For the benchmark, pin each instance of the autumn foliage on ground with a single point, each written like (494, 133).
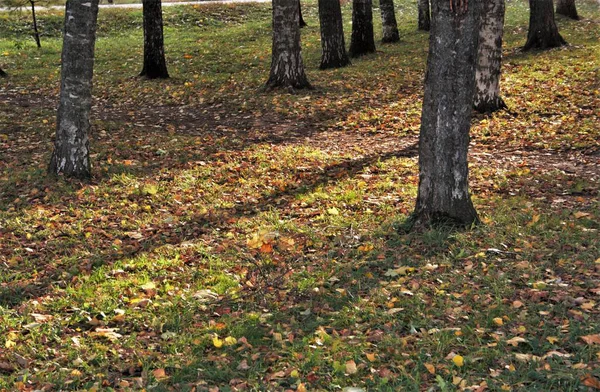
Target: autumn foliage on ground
(234, 239)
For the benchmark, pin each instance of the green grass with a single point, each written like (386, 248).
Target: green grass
(218, 211)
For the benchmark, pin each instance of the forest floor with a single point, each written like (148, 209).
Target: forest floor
(235, 239)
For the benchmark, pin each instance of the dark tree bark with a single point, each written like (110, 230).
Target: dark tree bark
(301, 21)
(71, 156)
(424, 15)
(155, 65)
(567, 8)
(443, 195)
(362, 40)
(332, 35)
(489, 58)
(543, 32)
(287, 68)
(36, 32)
(2, 73)
(388, 22)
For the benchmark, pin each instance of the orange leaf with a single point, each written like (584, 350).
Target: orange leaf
(159, 373)
(266, 248)
(430, 368)
(591, 339)
(591, 381)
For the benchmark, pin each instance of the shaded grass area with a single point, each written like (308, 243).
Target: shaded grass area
(249, 241)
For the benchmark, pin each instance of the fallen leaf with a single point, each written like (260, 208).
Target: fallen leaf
(498, 321)
(516, 340)
(591, 339)
(218, 343)
(430, 368)
(591, 381)
(458, 360)
(351, 367)
(159, 373)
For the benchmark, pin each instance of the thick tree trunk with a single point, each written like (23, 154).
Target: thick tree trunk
(301, 21)
(332, 35)
(567, 8)
(362, 40)
(71, 156)
(443, 195)
(155, 65)
(388, 22)
(287, 69)
(2, 73)
(489, 57)
(424, 15)
(543, 32)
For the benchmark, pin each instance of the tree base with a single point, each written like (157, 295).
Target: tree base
(337, 63)
(157, 74)
(422, 220)
(391, 38)
(543, 43)
(359, 52)
(490, 106)
(290, 87)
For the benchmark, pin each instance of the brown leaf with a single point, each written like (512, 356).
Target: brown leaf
(159, 373)
(591, 339)
(591, 381)
(351, 367)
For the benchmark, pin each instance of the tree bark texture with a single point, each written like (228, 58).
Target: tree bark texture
(155, 65)
(362, 40)
(71, 146)
(567, 8)
(388, 22)
(287, 68)
(301, 21)
(443, 195)
(332, 35)
(543, 32)
(489, 57)
(424, 15)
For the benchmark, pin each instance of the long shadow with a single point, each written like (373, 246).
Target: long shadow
(12, 294)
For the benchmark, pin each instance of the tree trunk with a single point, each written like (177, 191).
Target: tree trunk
(36, 32)
(71, 156)
(301, 22)
(443, 195)
(567, 8)
(543, 32)
(332, 35)
(388, 22)
(155, 65)
(489, 57)
(362, 40)
(2, 73)
(287, 69)
(424, 15)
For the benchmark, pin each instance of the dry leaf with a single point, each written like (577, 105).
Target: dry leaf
(516, 340)
(351, 367)
(430, 368)
(591, 381)
(591, 339)
(159, 373)
(371, 357)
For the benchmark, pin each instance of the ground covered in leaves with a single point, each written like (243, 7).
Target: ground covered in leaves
(233, 239)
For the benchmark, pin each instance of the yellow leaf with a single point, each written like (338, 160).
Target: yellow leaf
(539, 285)
(552, 339)
(430, 368)
(458, 360)
(351, 367)
(9, 344)
(294, 373)
(498, 321)
(333, 211)
(371, 357)
(230, 341)
(218, 343)
(301, 388)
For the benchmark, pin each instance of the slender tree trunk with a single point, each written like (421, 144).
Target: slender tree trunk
(388, 22)
(2, 73)
(489, 57)
(155, 65)
(424, 15)
(36, 32)
(71, 156)
(287, 69)
(301, 22)
(543, 32)
(567, 8)
(443, 195)
(332, 35)
(362, 40)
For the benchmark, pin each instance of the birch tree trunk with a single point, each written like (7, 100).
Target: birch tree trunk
(443, 195)
(543, 32)
(388, 22)
(287, 69)
(362, 40)
(332, 35)
(71, 156)
(155, 65)
(424, 15)
(489, 57)
(567, 8)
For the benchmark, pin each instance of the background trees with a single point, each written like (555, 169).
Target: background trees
(287, 68)
(362, 40)
(543, 32)
(388, 22)
(333, 47)
(424, 15)
(71, 155)
(155, 65)
(567, 8)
